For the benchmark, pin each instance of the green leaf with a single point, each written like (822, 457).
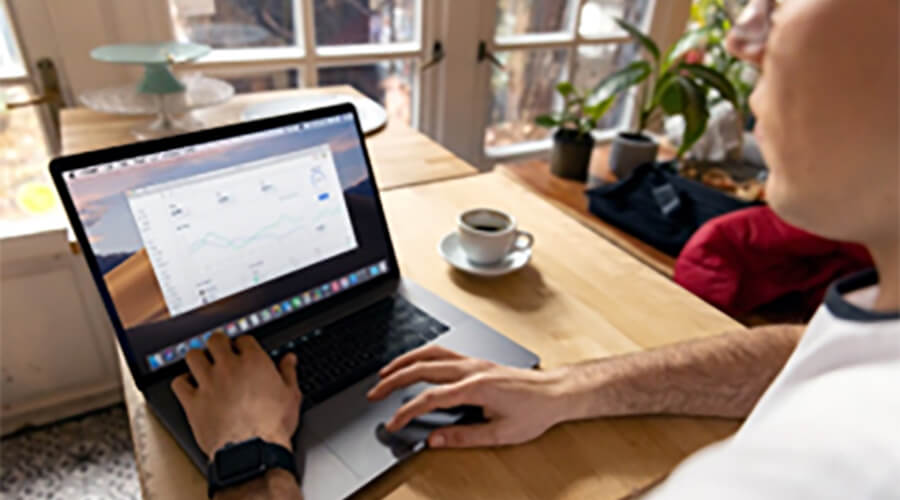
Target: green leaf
(714, 79)
(660, 86)
(671, 96)
(695, 112)
(682, 96)
(690, 40)
(644, 40)
(547, 121)
(597, 111)
(616, 82)
(565, 88)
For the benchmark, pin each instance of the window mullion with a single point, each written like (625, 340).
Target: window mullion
(310, 74)
(573, 52)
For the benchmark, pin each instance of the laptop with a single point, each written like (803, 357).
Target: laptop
(272, 228)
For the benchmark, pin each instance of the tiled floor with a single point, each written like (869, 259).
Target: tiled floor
(86, 458)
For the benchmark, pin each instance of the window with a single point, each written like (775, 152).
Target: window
(542, 42)
(10, 59)
(26, 198)
(374, 45)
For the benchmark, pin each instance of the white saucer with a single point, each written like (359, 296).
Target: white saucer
(451, 252)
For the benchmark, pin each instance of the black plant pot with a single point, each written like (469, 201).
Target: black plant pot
(571, 155)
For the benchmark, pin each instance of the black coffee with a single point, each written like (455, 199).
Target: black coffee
(490, 229)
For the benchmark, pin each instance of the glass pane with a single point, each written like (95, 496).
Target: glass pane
(388, 82)
(10, 59)
(261, 82)
(597, 16)
(26, 193)
(342, 22)
(521, 92)
(594, 62)
(515, 17)
(235, 24)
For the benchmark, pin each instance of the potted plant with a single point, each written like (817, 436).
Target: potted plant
(572, 140)
(672, 87)
(711, 20)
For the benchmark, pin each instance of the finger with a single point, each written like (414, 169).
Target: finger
(248, 346)
(426, 353)
(466, 436)
(199, 365)
(183, 389)
(288, 369)
(220, 348)
(445, 396)
(436, 372)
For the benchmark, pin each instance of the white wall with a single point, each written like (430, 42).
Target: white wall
(57, 350)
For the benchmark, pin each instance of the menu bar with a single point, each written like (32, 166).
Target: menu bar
(189, 150)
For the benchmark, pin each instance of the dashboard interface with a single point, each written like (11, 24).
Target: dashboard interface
(214, 236)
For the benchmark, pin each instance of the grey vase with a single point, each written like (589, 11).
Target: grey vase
(571, 154)
(630, 151)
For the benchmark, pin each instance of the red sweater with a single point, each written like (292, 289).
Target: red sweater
(748, 258)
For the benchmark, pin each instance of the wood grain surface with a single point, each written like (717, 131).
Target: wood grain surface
(580, 298)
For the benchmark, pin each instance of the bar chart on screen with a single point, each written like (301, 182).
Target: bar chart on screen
(212, 235)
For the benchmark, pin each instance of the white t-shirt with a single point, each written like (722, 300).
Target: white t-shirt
(829, 425)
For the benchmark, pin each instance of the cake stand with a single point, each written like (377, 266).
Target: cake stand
(159, 92)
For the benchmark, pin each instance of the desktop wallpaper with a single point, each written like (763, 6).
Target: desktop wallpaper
(103, 208)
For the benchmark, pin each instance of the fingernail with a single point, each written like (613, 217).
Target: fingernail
(437, 441)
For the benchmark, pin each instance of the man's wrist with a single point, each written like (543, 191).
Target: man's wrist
(576, 393)
(565, 394)
(276, 483)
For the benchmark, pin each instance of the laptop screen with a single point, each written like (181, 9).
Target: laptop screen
(231, 234)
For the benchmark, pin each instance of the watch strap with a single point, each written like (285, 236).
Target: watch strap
(271, 455)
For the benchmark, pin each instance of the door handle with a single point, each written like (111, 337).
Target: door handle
(484, 53)
(437, 55)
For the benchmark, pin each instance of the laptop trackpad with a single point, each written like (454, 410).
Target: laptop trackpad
(353, 428)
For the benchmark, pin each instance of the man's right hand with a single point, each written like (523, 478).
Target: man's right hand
(520, 405)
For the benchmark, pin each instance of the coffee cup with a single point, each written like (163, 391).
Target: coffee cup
(487, 236)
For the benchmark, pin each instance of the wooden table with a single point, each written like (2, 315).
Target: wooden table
(568, 196)
(401, 156)
(580, 298)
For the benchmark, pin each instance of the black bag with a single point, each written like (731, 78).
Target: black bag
(660, 207)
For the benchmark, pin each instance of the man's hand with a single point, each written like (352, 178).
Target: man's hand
(240, 395)
(519, 404)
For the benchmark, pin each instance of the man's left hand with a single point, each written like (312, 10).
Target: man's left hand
(239, 395)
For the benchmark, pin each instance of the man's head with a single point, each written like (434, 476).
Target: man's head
(827, 112)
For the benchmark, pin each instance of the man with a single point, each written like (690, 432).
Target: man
(822, 407)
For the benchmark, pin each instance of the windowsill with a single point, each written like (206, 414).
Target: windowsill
(500, 153)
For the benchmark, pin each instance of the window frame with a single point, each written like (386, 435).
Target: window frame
(571, 40)
(308, 57)
(658, 23)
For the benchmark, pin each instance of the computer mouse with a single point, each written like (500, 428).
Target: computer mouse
(414, 436)
(456, 415)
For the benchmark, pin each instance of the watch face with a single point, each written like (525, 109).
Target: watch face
(239, 461)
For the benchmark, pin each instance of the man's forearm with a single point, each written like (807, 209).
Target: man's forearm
(277, 484)
(722, 376)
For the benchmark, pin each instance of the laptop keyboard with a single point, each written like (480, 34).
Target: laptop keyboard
(338, 355)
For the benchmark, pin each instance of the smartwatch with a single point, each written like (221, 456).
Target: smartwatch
(237, 463)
